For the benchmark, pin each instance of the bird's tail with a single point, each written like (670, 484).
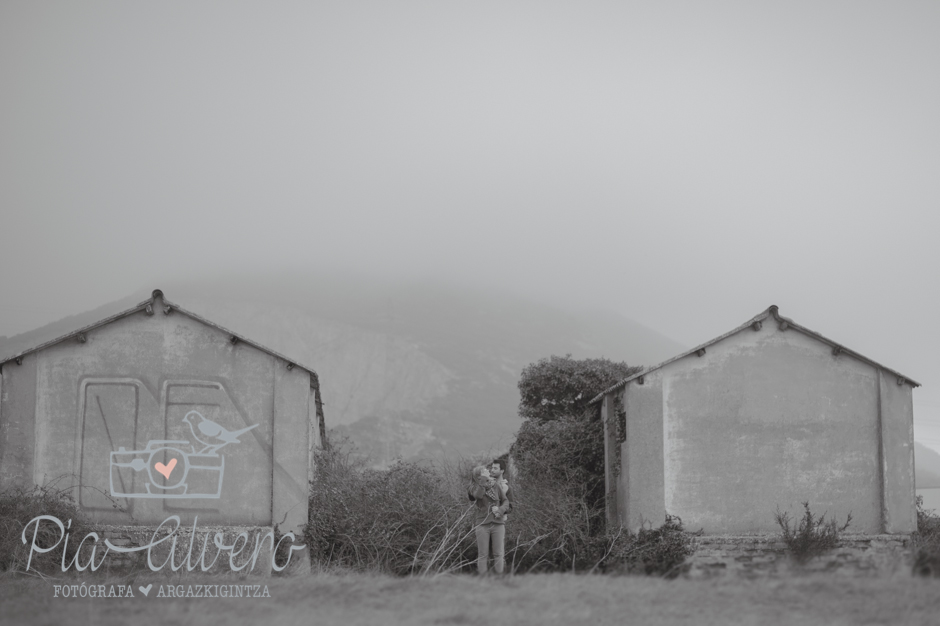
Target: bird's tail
(237, 433)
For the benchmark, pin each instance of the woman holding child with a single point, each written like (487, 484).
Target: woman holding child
(492, 504)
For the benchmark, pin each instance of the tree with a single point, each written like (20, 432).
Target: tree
(560, 386)
(558, 442)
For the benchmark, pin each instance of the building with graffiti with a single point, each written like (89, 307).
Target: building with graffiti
(155, 412)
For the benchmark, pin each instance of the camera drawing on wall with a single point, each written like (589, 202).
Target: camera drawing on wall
(175, 468)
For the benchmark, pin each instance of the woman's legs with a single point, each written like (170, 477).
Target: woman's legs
(498, 539)
(483, 546)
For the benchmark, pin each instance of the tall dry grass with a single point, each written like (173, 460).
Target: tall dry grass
(18, 507)
(415, 518)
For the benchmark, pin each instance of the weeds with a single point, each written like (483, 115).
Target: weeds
(812, 536)
(925, 542)
(18, 507)
(652, 551)
(407, 519)
(415, 519)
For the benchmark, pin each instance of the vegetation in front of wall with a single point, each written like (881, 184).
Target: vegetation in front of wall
(564, 457)
(925, 542)
(812, 535)
(18, 507)
(661, 551)
(415, 519)
(411, 518)
(561, 437)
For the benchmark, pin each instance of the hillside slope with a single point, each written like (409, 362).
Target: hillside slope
(420, 369)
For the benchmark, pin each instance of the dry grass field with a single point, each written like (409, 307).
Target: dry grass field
(537, 599)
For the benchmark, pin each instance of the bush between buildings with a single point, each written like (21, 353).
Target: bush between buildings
(407, 519)
(925, 542)
(19, 506)
(563, 459)
(415, 519)
(812, 536)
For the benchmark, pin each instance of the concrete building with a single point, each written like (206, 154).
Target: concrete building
(162, 412)
(766, 416)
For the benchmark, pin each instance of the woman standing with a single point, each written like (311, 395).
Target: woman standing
(491, 507)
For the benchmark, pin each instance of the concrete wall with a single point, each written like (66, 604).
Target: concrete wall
(642, 480)
(897, 454)
(764, 420)
(17, 422)
(66, 408)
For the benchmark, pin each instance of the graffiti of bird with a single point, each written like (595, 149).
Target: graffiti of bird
(210, 434)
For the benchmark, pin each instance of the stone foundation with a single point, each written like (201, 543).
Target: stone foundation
(767, 555)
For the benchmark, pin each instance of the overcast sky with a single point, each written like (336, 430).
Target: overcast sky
(685, 164)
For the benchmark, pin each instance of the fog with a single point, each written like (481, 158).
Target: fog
(684, 164)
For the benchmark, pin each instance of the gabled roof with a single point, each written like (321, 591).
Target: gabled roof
(755, 322)
(150, 307)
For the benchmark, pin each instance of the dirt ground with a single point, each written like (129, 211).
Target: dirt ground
(537, 599)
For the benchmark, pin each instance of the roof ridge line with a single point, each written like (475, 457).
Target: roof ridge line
(783, 324)
(148, 306)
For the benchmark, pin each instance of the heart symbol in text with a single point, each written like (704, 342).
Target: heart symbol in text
(146, 590)
(167, 469)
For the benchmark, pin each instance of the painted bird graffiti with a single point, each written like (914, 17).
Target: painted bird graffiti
(211, 435)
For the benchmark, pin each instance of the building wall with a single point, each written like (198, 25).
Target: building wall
(897, 454)
(642, 487)
(765, 420)
(67, 408)
(17, 422)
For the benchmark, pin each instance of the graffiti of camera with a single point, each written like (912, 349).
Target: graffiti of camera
(185, 473)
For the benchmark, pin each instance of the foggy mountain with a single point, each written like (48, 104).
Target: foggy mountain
(927, 467)
(406, 369)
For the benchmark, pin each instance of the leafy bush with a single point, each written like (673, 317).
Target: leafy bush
(18, 507)
(554, 524)
(559, 509)
(812, 536)
(559, 497)
(561, 386)
(568, 452)
(926, 542)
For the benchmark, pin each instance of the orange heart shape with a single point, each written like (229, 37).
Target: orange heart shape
(167, 469)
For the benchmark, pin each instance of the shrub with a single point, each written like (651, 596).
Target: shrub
(812, 536)
(410, 518)
(553, 525)
(559, 453)
(18, 506)
(652, 551)
(925, 542)
(558, 386)
(559, 517)
(415, 519)
(566, 451)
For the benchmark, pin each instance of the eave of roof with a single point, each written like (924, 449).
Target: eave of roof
(784, 323)
(168, 307)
